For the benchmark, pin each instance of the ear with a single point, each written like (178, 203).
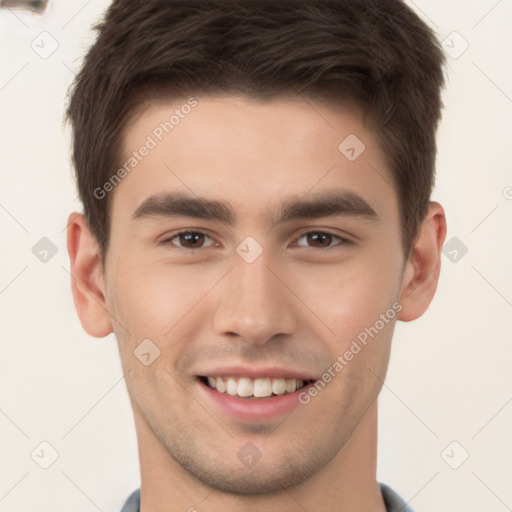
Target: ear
(422, 269)
(87, 280)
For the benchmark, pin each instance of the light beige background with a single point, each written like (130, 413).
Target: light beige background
(449, 378)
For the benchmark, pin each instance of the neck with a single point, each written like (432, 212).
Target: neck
(347, 483)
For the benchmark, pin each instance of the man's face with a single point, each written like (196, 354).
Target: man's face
(254, 296)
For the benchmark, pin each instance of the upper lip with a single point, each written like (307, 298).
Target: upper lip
(254, 373)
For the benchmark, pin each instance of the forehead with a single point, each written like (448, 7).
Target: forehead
(251, 153)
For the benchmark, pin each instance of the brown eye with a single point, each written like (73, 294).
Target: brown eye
(192, 239)
(322, 240)
(187, 240)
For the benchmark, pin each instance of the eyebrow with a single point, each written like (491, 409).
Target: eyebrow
(336, 202)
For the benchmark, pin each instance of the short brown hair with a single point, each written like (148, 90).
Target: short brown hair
(376, 53)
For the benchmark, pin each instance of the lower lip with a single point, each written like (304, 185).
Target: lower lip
(253, 409)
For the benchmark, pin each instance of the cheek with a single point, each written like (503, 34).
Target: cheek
(150, 299)
(362, 313)
(350, 298)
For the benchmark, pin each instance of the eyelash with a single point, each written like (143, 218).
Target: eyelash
(343, 241)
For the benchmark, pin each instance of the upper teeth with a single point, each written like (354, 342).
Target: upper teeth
(258, 388)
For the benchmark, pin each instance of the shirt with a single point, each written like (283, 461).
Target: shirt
(393, 502)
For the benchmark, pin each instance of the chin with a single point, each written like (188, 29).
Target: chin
(275, 470)
(243, 481)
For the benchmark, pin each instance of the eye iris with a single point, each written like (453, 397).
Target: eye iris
(192, 237)
(324, 236)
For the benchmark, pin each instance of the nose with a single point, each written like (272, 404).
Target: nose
(255, 302)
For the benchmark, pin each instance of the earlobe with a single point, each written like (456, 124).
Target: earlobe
(421, 273)
(87, 281)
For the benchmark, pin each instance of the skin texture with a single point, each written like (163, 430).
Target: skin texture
(297, 306)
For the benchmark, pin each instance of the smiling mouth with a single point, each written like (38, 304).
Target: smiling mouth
(245, 387)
